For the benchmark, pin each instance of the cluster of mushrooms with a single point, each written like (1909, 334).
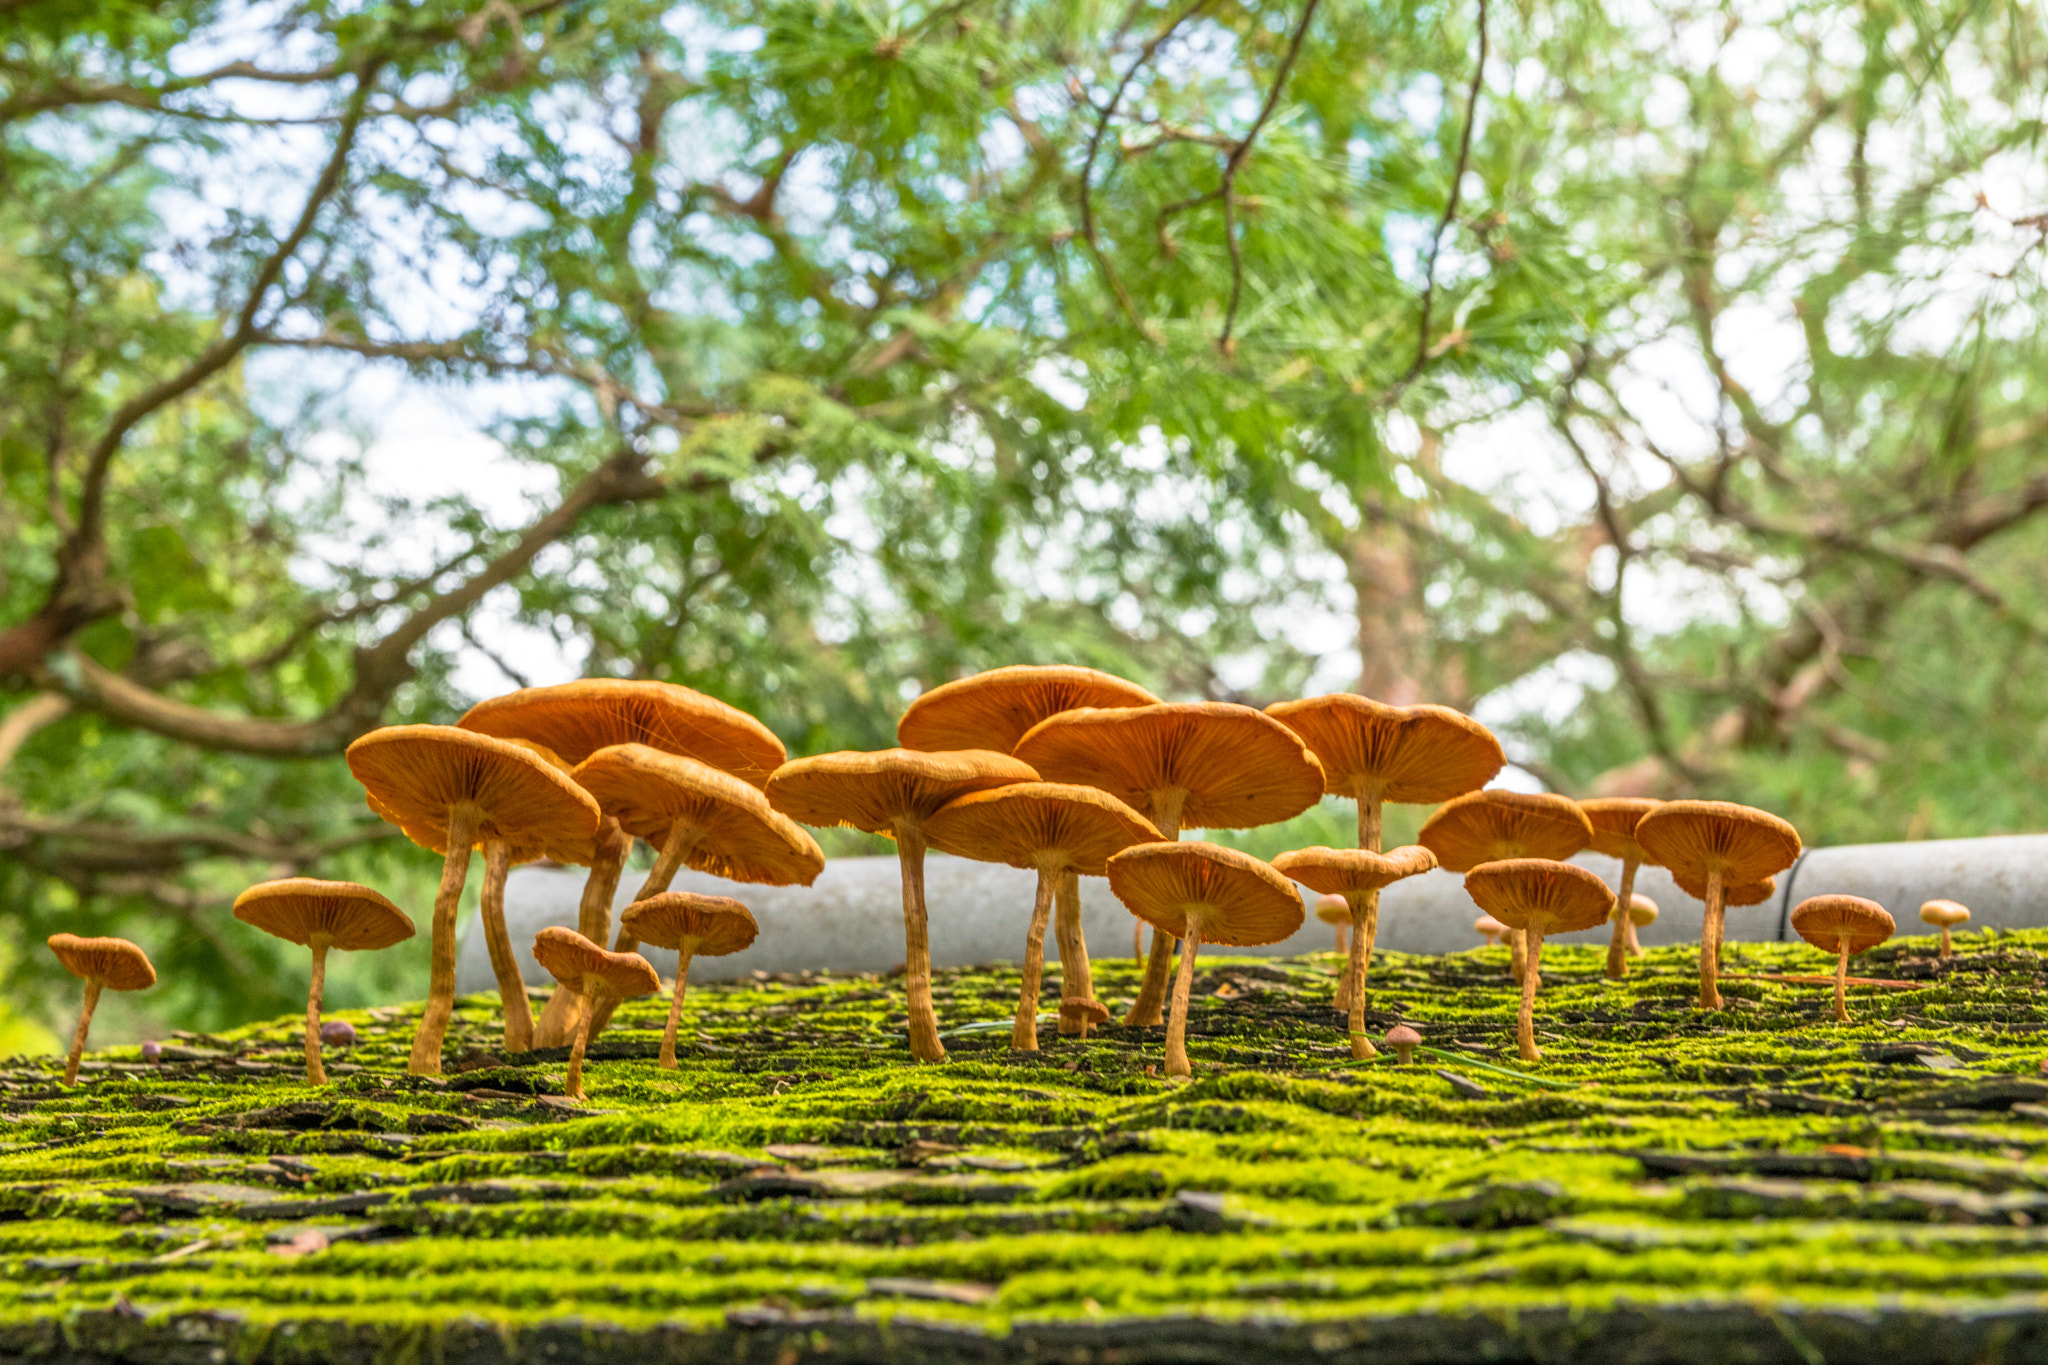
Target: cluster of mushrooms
(1066, 771)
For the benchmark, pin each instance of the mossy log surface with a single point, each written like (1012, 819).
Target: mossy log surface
(1754, 1185)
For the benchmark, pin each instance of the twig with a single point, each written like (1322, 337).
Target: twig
(1228, 188)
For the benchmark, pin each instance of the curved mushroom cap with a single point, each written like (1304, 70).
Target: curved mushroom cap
(1341, 870)
(1695, 837)
(1079, 1009)
(1239, 767)
(576, 719)
(115, 963)
(1740, 894)
(872, 791)
(992, 710)
(1488, 925)
(1400, 1035)
(1048, 825)
(351, 917)
(1330, 908)
(1944, 914)
(1641, 910)
(649, 792)
(716, 925)
(1614, 820)
(1410, 754)
(1559, 898)
(587, 969)
(1231, 897)
(1824, 921)
(416, 774)
(1485, 827)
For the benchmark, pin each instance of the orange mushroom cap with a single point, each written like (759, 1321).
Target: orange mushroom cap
(115, 963)
(1556, 897)
(1742, 893)
(1642, 910)
(576, 719)
(587, 969)
(873, 791)
(1487, 826)
(1824, 921)
(715, 925)
(992, 710)
(353, 918)
(1079, 1009)
(1231, 897)
(1409, 754)
(1239, 767)
(1337, 871)
(649, 792)
(416, 774)
(1488, 925)
(1614, 820)
(1046, 825)
(1945, 914)
(1330, 908)
(1693, 838)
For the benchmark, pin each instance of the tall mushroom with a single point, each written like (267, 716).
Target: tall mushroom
(1375, 753)
(993, 710)
(1201, 892)
(1197, 764)
(1843, 925)
(1538, 896)
(451, 790)
(893, 792)
(1358, 875)
(575, 720)
(1487, 826)
(695, 926)
(1614, 820)
(1946, 916)
(1718, 844)
(512, 844)
(322, 915)
(590, 974)
(104, 964)
(697, 817)
(1061, 832)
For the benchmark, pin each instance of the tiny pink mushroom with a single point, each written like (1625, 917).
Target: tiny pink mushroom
(1404, 1041)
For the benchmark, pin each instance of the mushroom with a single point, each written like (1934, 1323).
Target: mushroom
(993, 710)
(697, 817)
(1335, 911)
(1945, 915)
(104, 963)
(1083, 1013)
(337, 1033)
(590, 974)
(1061, 831)
(695, 926)
(449, 790)
(1358, 875)
(1642, 912)
(1197, 764)
(500, 853)
(1490, 929)
(322, 915)
(575, 720)
(1375, 753)
(1404, 1041)
(892, 792)
(1539, 896)
(1732, 897)
(1201, 892)
(1843, 925)
(1614, 820)
(1719, 844)
(1487, 826)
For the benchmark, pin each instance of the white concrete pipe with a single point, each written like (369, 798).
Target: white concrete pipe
(852, 919)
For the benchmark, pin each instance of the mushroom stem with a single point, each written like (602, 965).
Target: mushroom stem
(1525, 1021)
(1343, 928)
(1947, 950)
(1365, 923)
(92, 1001)
(1635, 944)
(1405, 1053)
(1076, 978)
(1137, 940)
(684, 952)
(316, 1074)
(426, 1043)
(505, 966)
(1370, 808)
(1149, 1008)
(1617, 947)
(593, 921)
(1177, 1025)
(681, 840)
(572, 1085)
(1842, 983)
(1518, 954)
(1710, 943)
(917, 948)
(1024, 1033)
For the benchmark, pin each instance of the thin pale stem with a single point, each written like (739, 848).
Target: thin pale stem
(1177, 1024)
(682, 840)
(1137, 940)
(1842, 983)
(684, 952)
(1518, 954)
(316, 1074)
(1617, 947)
(1635, 942)
(1370, 812)
(917, 949)
(1024, 1033)
(1532, 979)
(1365, 923)
(1343, 928)
(504, 964)
(573, 1084)
(1710, 944)
(426, 1043)
(1076, 976)
(593, 920)
(1947, 949)
(92, 1002)
(1150, 1006)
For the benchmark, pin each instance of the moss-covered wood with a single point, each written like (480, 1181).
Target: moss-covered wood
(1758, 1184)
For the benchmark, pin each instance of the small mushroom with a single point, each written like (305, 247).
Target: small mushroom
(337, 1033)
(1945, 915)
(1732, 898)
(1642, 912)
(1404, 1041)
(1359, 875)
(592, 974)
(1843, 925)
(1375, 753)
(1614, 820)
(1538, 896)
(152, 1050)
(1335, 911)
(322, 915)
(1718, 844)
(1490, 929)
(104, 963)
(1487, 826)
(1201, 892)
(1079, 1013)
(695, 926)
